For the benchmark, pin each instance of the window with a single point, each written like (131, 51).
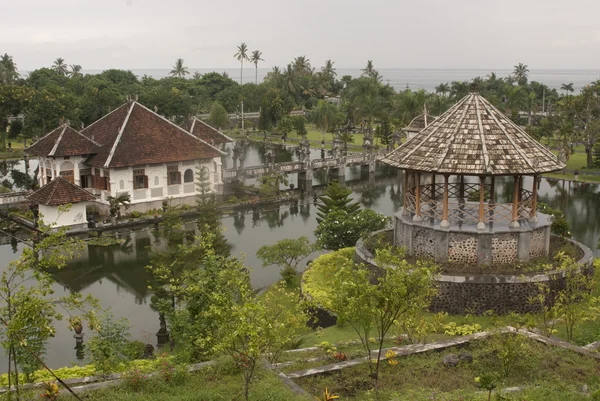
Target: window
(173, 175)
(121, 184)
(140, 179)
(68, 175)
(188, 176)
(156, 180)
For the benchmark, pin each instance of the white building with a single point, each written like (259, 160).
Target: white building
(130, 150)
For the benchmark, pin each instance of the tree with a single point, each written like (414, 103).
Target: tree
(302, 65)
(60, 67)
(299, 123)
(29, 309)
(287, 254)
(328, 69)
(285, 126)
(241, 55)
(289, 80)
(372, 302)
(8, 69)
(179, 70)
(568, 88)
(323, 116)
(115, 203)
(369, 71)
(336, 197)
(256, 58)
(442, 88)
(209, 218)
(346, 138)
(340, 229)
(520, 73)
(385, 134)
(218, 115)
(264, 121)
(75, 71)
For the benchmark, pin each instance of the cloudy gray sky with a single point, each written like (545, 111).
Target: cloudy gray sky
(136, 34)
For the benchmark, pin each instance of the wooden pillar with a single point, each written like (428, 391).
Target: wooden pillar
(461, 188)
(433, 186)
(533, 216)
(445, 223)
(417, 217)
(515, 207)
(493, 190)
(405, 191)
(481, 223)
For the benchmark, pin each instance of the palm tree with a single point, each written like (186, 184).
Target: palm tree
(8, 69)
(197, 75)
(568, 88)
(255, 58)
(75, 71)
(516, 100)
(115, 203)
(60, 67)
(179, 70)
(302, 65)
(241, 55)
(369, 70)
(520, 73)
(276, 70)
(289, 80)
(442, 88)
(328, 69)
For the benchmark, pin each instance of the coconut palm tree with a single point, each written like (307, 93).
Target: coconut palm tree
(302, 65)
(369, 70)
(255, 58)
(520, 72)
(276, 70)
(442, 88)
(60, 67)
(8, 69)
(290, 80)
(241, 55)
(197, 75)
(179, 70)
(75, 71)
(328, 69)
(568, 88)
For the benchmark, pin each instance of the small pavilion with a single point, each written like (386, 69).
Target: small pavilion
(461, 220)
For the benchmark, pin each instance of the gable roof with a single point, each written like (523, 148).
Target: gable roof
(419, 122)
(473, 138)
(134, 135)
(63, 141)
(207, 133)
(59, 192)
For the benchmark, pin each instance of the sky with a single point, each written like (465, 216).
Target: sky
(433, 34)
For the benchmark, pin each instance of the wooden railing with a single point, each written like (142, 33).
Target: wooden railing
(465, 210)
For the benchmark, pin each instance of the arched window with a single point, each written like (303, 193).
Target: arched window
(67, 166)
(188, 175)
(121, 184)
(156, 180)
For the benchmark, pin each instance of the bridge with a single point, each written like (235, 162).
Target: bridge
(250, 116)
(305, 168)
(13, 197)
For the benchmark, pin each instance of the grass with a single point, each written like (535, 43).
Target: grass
(418, 377)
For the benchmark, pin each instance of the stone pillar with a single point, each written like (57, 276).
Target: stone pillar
(484, 249)
(523, 245)
(515, 206)
(305, 179)
(445, 223)
(417, 217)
(441, 246)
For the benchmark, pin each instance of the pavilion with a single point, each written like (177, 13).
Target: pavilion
(462, 221)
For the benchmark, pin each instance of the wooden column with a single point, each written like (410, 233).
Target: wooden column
(481, 223)
(417, 217)
(493, 190)
(433, 186)
(533, 217)
(461, 188)
(515, 207)
(405, 192)
(445, 223)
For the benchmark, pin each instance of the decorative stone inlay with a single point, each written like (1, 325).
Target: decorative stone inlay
(462, 248)
(423, 243)
(504, 248)
(399, 232)
(537, 248)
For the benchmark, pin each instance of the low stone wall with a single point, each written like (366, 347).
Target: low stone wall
(478, 293)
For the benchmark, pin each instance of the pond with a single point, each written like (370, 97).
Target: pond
(116, 274)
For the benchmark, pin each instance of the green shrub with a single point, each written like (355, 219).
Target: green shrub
(452, 329)
(134, 350)
(135, 380)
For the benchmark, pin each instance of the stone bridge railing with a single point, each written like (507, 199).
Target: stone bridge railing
(13, 197)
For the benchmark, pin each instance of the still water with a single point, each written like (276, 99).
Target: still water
(116, 274)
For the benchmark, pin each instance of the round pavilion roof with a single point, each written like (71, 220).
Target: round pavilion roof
(473, 138)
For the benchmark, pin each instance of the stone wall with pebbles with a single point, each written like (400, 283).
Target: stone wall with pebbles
(462, 249)
(504, 248)
(538, 244)
(423, 243)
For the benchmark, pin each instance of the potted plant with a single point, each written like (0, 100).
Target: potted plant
(76, 324)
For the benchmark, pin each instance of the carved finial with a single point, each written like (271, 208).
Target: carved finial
(155, 108)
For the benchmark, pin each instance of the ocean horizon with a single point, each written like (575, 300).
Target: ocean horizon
(401, 78)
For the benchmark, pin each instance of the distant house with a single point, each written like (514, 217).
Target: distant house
(130, 150)
(57, 193)
(417, 124)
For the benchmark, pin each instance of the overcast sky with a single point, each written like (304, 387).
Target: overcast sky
(142, 34)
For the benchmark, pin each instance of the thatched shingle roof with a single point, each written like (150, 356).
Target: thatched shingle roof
(473, 138)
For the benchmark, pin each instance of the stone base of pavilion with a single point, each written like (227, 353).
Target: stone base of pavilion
(466, 243)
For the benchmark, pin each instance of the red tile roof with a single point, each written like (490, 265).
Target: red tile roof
(59, 192)
(63, 141)
(207, 133)
(134, 135)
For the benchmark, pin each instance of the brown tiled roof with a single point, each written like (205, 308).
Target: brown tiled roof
(419, 122)
(59, 192)
(474, 138)
(207, 133)
(134, 135)
(63, 141)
